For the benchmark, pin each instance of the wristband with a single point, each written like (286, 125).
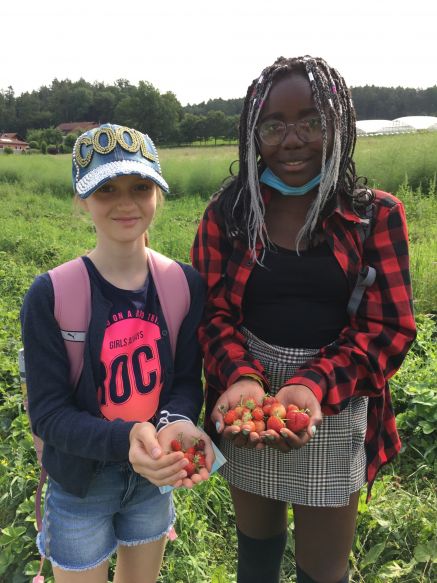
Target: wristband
(253, 377)
(167, 418)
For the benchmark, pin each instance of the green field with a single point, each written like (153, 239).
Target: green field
(387, 162)
(39, 228)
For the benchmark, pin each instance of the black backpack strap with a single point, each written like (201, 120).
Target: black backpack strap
(367, 275)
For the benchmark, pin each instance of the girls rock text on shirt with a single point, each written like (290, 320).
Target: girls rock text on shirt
(131, 378)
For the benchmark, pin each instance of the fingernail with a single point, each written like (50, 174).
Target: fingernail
(313, 430)
(245, 432)
(235, 432)
(271, 437)
(283, 434)
(156, 452)
(217, 426)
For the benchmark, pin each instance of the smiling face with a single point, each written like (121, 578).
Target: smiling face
(122, 209)
(294, 161)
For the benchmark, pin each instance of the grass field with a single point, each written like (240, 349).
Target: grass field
(387, 162)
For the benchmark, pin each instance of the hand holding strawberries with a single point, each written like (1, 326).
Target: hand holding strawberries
(151, 455)
(303, 415)
(280, 425)
(149, 460)
(251, 389)
(195, 447)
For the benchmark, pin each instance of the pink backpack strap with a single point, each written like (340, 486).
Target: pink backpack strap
(173, 292)
(72, 310)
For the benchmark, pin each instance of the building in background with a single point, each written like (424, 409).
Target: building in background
(13, 141)
(400, 125)
(75, 126)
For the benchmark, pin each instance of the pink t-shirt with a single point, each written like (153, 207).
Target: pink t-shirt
(131, 375)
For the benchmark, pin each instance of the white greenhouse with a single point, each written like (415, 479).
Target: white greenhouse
(399, 125)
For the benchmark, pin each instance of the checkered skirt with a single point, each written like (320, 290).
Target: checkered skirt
(327, 470)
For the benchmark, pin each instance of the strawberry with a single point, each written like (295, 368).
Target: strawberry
(259, 426)
(199, 460)
(239, 411)
(297, 421)
(258, 414)
(275, 423)
(249, 425)
(190, 468)
(247, 416)
(189, 455)
(230, 417)
(191, 450)
(291, 408)
(176, 445)
(278, 410)
(250, 403)
(245, 410)
(269, 400)
(200, 445)
(267, 408)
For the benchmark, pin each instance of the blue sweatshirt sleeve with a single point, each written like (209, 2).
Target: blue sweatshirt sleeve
(55, 416)
(183, 399)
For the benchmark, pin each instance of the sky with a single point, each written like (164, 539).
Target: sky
(204, 50)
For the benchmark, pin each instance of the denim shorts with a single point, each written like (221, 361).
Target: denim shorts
(120, 508)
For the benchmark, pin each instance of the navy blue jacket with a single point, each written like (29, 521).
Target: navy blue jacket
(76, 437)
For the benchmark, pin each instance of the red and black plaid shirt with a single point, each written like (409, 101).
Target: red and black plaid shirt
(367, 352)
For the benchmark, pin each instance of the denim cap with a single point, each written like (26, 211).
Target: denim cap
(109, 151)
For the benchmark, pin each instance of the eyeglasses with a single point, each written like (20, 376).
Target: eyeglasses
(272, 132)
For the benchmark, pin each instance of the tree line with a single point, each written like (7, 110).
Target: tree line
(161, 114)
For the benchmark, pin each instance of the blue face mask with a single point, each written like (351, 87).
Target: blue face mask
(267, 177)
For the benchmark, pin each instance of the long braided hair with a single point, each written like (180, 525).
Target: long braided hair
(240, 201)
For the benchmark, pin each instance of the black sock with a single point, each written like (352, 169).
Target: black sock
(302, 577)
(259, 560)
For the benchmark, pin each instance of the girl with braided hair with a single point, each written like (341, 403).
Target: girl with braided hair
(309, 299)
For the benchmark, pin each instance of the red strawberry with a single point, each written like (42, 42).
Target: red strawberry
(269, 400)
(258, 414)
(230, 417)
(278, 410)
(176, 445)
(190, 468)
(266, 408)
(191, 450)
(275, 423)
(291, 408)
(297, 421)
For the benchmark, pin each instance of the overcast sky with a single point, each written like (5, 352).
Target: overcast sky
(202, 50)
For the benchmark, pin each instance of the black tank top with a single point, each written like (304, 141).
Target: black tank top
(297, 301)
